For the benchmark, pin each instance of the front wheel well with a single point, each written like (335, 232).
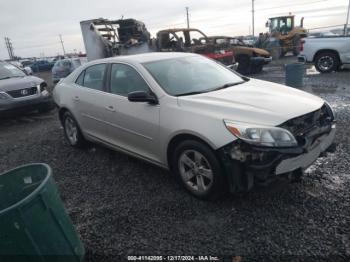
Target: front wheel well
(326, 51)
(176, 140)
(61, 112)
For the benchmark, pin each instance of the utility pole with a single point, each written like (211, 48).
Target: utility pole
(188, 20)
(64, 51)
(9, 48)
(253, 14)
(347, 21)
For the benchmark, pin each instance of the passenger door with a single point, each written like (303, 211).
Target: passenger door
(133, 126)
(89, 101)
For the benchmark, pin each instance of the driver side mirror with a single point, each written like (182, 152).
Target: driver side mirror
(267, 24)
(142, 96)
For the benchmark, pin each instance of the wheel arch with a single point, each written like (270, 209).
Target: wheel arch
(325, 51)
(61, 112)
(178, 138)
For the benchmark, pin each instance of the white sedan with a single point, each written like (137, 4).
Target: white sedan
(214, 129)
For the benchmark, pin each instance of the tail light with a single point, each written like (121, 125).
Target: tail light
(302, 42)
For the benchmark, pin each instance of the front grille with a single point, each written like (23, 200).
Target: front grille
(23, 92)
(301, 126)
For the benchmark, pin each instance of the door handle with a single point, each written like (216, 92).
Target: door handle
(110, 108)
(76, 98)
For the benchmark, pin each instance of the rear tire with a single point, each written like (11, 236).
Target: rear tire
(257, 69)
(326, 62)
(72, 131)
(198, 169)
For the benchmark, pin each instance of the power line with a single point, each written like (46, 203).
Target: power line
(269, 8)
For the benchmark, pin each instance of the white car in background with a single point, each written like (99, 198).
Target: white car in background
(214, 129)
(328, 54)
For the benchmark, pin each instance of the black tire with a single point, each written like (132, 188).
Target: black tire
(296, 45)
(244, 65)
(80, 141)
(257, 69)
(216, 187)
(327, 62)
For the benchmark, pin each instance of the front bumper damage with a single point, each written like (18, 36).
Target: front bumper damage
(246, 165)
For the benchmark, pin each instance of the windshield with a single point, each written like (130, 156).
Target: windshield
(9, 71)
(188, 75)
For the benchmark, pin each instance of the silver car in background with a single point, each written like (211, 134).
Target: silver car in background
(64, 67)
(20, 92)
(214, 129)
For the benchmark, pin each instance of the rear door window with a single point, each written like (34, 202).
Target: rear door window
(80, 80)
(94, 77)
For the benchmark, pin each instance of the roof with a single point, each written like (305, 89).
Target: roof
(146, 57)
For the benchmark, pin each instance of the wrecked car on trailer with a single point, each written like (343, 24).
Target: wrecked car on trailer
(105, 38)
(250, 59)
(194, 41)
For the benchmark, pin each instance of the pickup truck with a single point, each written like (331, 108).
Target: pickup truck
(327, 53)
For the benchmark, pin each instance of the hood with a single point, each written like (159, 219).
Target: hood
(255, 101)
(247, 49)
(19, 83)
(261, 52)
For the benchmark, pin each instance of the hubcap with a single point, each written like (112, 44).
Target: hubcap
(325, 63)
(71, 130)
(195, 171)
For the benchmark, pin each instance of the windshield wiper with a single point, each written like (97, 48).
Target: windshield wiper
(212, 89)
(192, 93)
(227, 85)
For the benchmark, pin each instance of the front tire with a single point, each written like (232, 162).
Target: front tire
(198, 169)
(326, 62)
(72, 131)
(244, 65)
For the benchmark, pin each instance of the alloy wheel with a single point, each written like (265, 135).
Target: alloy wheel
(71, 130)
(325, 63)
(195, 171)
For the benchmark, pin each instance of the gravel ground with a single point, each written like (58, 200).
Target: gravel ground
(123, 206)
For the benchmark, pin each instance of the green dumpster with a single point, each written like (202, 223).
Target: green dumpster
(295, 75)
(34, 225)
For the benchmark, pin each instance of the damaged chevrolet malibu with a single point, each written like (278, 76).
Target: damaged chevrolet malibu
(215, 130)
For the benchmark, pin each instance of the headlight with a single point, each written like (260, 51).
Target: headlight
(261, 135)
(330, 110)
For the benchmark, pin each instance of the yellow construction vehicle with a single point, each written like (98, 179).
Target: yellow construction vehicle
(283, 36)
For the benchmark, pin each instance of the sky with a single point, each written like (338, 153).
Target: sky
(34, 26)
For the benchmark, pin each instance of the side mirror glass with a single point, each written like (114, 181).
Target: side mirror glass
(142, 96)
